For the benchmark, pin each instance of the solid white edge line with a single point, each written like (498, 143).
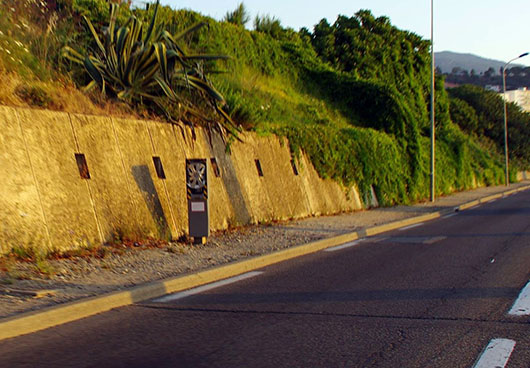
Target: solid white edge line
(521, 307)
(496, 354)
(200, 289)
(343, 246)
(411, 226)
(450, 215)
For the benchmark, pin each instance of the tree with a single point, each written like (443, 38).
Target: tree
(456, 70)
(489, 73)
(240, 16)
(268, 24)
(323, 41)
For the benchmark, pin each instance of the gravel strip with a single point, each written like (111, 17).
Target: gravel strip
(123, 267)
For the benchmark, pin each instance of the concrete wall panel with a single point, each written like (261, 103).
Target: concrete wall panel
(315, 188)
(236, 193)
(281, 182)
(523, 175)
(233, 199)
(244, 155)
(116, 208)
(294, 184)
(66, 203)
(147, 190)
(21, 217)
(167, 141)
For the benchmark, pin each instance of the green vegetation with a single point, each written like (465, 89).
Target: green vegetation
(269, 25)
(38, 258)
(480, 114)
(354, 95)
(239, 16)
(147, 68)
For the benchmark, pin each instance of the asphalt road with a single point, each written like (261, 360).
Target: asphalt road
(433, 295)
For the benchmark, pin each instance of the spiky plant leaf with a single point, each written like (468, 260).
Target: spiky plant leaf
(189, 30)
(72, 55)
(94, 34)
(149, 33)
(153, 70)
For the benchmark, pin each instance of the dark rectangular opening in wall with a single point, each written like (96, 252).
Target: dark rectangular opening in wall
(159, 168)
(258, 167)
(82, 165)
(293, 165)
(215, 167)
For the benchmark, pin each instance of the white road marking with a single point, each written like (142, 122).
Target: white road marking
(521, 307)
(496, 354)
(343, 246)
(200, 289)
(434, 239)
(410, 226)
(450, 215)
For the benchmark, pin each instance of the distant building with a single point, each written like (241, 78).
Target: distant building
(493, 88)
(520, 96)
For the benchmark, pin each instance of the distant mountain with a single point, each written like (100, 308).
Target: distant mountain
(447, 60)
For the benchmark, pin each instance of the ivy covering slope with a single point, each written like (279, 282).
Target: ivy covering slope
(354, 95)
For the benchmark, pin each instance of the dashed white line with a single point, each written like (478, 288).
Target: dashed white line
(496, 354)
(410, 226)
(433, 240)
(200, 289)
(343, 246)
(521, 307)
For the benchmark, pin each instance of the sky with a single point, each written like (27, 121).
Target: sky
(494, 29)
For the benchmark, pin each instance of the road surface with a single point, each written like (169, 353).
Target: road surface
(437, 294)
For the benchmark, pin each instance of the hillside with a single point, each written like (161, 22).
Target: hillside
(461, 69)
(447, 60)
(359, 110)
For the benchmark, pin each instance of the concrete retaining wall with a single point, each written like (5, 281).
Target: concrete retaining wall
(44, 201)
(523, 175)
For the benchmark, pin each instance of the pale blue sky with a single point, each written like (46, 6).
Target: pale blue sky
(495, 29)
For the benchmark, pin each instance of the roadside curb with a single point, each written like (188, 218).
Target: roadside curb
(41, 319)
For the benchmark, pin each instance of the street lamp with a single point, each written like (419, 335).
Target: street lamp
(505, 117)
(433, 150)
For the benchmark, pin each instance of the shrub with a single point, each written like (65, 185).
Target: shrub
(146, 66)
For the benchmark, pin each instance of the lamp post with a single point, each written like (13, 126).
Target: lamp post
(433, 150)
(507, 181)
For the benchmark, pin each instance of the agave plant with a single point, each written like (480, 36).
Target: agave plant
(148, 67)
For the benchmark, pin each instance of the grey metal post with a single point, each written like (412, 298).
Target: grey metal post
(506, 175)
(433, 138)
